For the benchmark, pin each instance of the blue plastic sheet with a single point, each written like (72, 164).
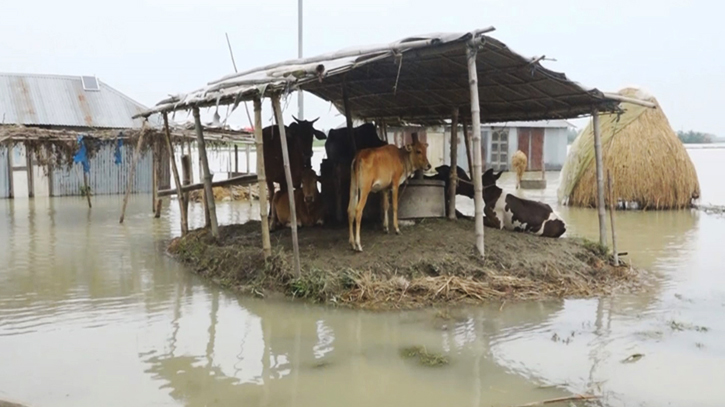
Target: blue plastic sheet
(82, 155)
(117, 152)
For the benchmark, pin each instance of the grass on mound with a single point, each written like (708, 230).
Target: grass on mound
(431, 262)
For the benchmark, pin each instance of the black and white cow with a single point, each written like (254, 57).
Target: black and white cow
(504, 210)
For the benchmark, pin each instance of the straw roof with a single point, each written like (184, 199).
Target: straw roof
(649, 165)
(415, 80)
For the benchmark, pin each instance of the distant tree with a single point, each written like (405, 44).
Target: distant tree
(694, 137)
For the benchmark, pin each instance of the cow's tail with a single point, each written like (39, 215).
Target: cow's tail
(354, 189)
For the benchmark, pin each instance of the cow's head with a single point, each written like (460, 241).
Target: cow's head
(305, 131)
(489, 178)
(309, 185)
(419, 155)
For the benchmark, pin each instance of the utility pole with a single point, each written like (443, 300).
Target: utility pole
(300, 96)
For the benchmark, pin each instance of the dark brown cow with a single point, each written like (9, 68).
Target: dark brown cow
(379, 170)
(300, 135)
(504, 210)
(340, 151)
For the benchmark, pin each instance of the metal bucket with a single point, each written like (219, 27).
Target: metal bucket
(422, 198)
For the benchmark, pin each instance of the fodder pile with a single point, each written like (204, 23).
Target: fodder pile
(649, 165)
(230, 193)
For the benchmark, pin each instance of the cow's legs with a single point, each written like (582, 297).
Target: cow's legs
(386, 206)
(364, 192)
(395, 208)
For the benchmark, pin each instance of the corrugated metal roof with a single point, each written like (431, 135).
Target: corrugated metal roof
(57, 100)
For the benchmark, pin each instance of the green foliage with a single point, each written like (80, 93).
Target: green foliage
(695, 137)
(86, 190)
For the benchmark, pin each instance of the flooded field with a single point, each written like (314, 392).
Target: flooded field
(93, 313)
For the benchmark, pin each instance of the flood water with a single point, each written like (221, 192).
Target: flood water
(93, 313)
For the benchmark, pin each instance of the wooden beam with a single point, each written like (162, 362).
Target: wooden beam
(288, 178)
(132, 170)
(471, 51)
(600, 178)
(261, 178)
(245, 179)
(210, 204)
(454, 167)
(177, 181)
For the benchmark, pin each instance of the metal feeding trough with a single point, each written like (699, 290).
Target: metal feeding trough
(533, 184)
(422, 198)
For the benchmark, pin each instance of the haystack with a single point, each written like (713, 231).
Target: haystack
(649, 165)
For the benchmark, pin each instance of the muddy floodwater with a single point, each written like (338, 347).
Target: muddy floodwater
(93, 313)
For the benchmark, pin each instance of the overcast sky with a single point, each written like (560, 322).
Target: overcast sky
(151, 48)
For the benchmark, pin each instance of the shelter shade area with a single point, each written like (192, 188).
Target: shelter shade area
(464, 78)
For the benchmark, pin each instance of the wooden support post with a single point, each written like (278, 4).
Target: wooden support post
(154, 175)
(29, 172)
(612, 209)
(261, 177)
(50, 180)
(88, 189)
(471, 52)
(348, 116)
(248, 150)
(288, 178)
(210, 204)
(132, 171)
(186, 174)
(11, 192)
(600, 178)
(454, 167)
(236, 159)
(467, 140)
(177, 181)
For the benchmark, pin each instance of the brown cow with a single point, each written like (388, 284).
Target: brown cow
(299, 148)
(308, 203)
(381, 169)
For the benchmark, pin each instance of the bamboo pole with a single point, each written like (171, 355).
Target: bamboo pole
(612, 208)
(600, 178)
(88, 189)
(467, 140)
(11, 186)
(132, 171)
(186, 174)
(454, 167)
(154, 176)
(240, 180)
(471, 51)
(177, 181)
(248, 150)
(211, 206)
(288, 178)
(348, 117)
(236, 159)
(261, 178)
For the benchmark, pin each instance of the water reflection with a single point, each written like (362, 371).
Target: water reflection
(93, 313)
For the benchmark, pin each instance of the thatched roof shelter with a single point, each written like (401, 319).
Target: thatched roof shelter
(649, 165)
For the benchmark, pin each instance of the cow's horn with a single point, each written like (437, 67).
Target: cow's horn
(312, 122)
(296, 119)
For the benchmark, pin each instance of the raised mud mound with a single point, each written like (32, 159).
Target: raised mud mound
(431, 262)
